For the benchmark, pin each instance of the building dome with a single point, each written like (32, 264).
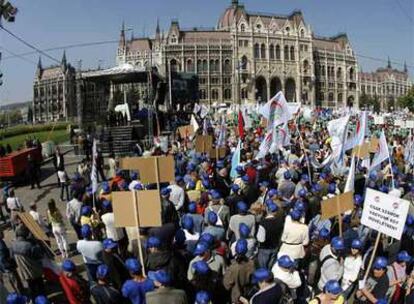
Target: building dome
(233, 12)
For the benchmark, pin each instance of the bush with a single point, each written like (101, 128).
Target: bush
(27, 129)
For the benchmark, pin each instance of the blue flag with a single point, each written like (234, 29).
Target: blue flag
(235, 160)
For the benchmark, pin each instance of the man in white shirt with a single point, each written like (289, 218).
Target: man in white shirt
(91, 252)
(177, 195)
(116, 234)
(134, 181)
(73, 213)
(282, 270)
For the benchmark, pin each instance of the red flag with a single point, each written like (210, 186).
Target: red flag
(241, 125)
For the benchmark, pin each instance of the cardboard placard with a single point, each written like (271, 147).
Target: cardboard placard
(147, 168)
(344, 201)
(148, 208)
(373, 144)
(361, 151)
(33, 226)
(203, 143)
(385, 213)
(217, 153)
(194, 195)
(186, 131)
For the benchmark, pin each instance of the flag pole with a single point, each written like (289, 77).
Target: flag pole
(303, 148)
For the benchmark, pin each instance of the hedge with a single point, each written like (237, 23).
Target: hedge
(27, 129)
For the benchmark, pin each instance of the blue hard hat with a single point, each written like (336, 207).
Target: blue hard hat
(206, 183)
(239, 170)
(86, 231)
(337, 243)
(139, 187)
(215, 195)
(304, 177)
(160, 276)
(102, 271)
(41, 300)
(300, 206)
(212, 217)
(178, 179)
(384, 189)
(381, 301)
(202, 297)
(153, 242)
(134, 175)
(316, 188)
(403, 256)
(220, 164)
(77, 176)
(323, 175)
(109, 244)
(105, 187)
(207, 238)
(165, 191)
(191, 167)
(201, 267)
(302, 192)
(192, 207)
(244, 230)
(332, 188)
(201, 248)
(235, 188)
(273, 192)
(68, 265)
(264, 184)
(287, 175)
(373, 175)
(271, 206)
(86, 210)
(358, 200)
(245, 178)
(187, 222)
(191, 185)
(242, 207)
(106, 204)
(118, 172)
(179, 237)
(380, 263)
(356, 244)
(333, 287)
(241, 247)
(410, 220)
(133, 265)
(295, 214)
(14, 298)
(324, 233)
(262, 274)
(285, 261)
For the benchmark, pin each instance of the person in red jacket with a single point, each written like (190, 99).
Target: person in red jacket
(76, 288)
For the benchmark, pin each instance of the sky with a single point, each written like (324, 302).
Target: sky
(376, 28)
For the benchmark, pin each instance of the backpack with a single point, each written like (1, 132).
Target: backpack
(219, 221)
(288, 296)
(319, 268)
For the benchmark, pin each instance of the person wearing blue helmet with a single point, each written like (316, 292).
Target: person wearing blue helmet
(91, 251)
(216, 230)
(303, 184)
(295, 237)
(177, 193)
(112, 232)
(135, 288)
(377, 284)
(222, 211)
(234, 197)
(352, 266)
(169, 214)
(15, 298)
(75, 287)
(237, 277)
(197, 218)
(286, 187)
(164, 292)
(397, 275)
(41, 300)
(263, 189)
(117, 271)
(284, 270)
(269, 232)
(331, 293)
(102, 291)
(202, 297)
(330, 262)
(242, 216)
(269, 291)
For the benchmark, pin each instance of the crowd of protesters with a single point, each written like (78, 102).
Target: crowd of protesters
(257, 237)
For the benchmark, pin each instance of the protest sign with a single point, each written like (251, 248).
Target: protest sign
(362, 151)
(373, 144)
(203, 143)
(336, 205)
(33, 226)
(148, 168)
(186, 131)
(385, 213)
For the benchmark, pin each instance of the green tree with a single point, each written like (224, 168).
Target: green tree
(407, 101)
(367, 102)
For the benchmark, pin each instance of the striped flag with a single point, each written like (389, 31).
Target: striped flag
(350, 181)
(382, 151)
(265, 145)
(235, 160)
(221, 141)
(94, 173)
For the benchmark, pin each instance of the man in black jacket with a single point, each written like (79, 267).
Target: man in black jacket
(102, 292)
(58, 163)
(269, 291)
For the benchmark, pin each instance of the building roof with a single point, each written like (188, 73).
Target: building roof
(52, 72)
(140, 44)
(382, 74)
(203, 36)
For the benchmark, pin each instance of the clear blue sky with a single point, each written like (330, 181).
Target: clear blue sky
(377, 28)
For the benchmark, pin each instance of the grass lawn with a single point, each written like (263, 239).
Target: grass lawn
(58, 136)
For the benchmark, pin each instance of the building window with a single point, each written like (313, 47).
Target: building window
(190, 66)
(272, 52)
(173, 39)
(227, 66)
(351, 74)
(214, 80)
(246, 43)
(292, 53)
(340, 98)
(263, 51)
(227, 94)
(227, 80)
(202, 94)
(305, 66)
(202, 80)
(240, 42)
(205, 65)
(214, 94)
(242, 28)
(330, 97)
(243, 93)
(244, 63)
(256, 51)
(199, 65)
(286, 51)
(277, 52)
(174, 65)
(339, 73)
(287, 29)
(302, 33)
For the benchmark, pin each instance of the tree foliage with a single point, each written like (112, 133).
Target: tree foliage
(407, 101)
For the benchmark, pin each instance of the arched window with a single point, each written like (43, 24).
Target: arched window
(244, 63)
(217, 65)
(214, 94)
(277, 52)
(263, 51)
(330, 96)
(212, 65)
(190, 66)
(227, 66)
(243, 93)
(286, 51)
(174, 65)
(259, 27)
(340, 98)
(271, 51)
(242, 28)
(199, 65)
(227, 94)
(205, 65)
(202, 94)
(292, 53)
(351, 74)
(256, 51)
(305, 66)
(302, 33)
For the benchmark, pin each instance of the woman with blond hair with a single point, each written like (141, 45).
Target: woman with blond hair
(55, 219)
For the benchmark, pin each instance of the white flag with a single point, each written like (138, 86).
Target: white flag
(350, 182)
(235, 160)
(382, 151)
(94, 173)
(265, 145)
(276, 111)
(194, 123)
(337, 127)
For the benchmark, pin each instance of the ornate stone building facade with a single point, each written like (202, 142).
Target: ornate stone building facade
(386, 85)
(251, 56)
(54, 92)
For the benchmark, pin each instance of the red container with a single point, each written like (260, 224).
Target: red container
(15, 163)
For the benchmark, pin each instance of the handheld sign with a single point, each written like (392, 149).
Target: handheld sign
(336, 205)
(385, 213)
(149, 168)
(203, 143)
